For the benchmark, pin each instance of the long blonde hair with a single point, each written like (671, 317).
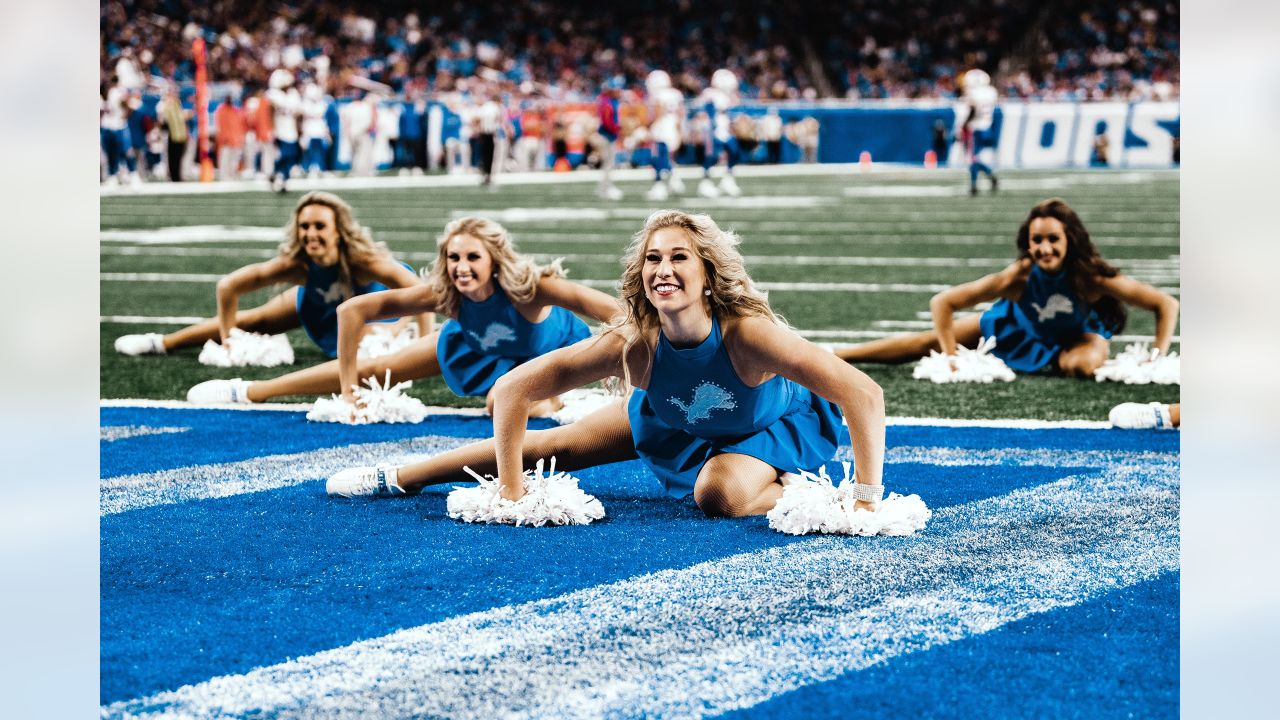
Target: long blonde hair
(517, 275)
(733, 294)
(356, 245)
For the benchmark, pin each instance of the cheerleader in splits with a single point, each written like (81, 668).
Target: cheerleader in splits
(1059, 302)
(504, 310)
(727, 398)
(326, 255)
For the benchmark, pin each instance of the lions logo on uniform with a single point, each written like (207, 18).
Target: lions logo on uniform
(494, 334)
(706, 397)
(1055, 304)
(333, 293)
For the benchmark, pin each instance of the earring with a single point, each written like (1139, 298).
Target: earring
(707, 293)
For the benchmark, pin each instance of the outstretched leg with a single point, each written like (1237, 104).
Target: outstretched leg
(910, 346)
(416, 360)
(735, 485)
(599, 438)
(276, 315)
(1086, 356)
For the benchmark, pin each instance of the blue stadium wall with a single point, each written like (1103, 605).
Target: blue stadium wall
(1029, 135)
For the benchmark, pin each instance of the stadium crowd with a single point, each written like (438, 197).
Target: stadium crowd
(366, 80)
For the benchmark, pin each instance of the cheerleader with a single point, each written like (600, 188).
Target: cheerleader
(503, 310)
(1059, 303)
(727, 399)
(326, 257)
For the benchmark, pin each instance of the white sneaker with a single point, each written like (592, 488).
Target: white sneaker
(135, 182)
(148, 344)
(675, 184)
(610, 193)
(657, 192)
(1141, 416)
(380, 481)
(708, 189)
(729, 186)
(223, 392)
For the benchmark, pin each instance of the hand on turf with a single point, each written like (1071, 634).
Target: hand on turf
(512, 491)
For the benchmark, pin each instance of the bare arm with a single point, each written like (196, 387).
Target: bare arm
(766, 347)
(547, 376)
(354, 313)
(577, 298)
(394, 275)
(989, 287)
(1139, 294)
(247, 279)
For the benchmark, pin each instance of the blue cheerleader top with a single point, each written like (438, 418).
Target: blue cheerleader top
(1048, 316)
(696, 406)
(489, 338)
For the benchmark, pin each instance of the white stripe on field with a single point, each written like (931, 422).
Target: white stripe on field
(195, 234)
(611, 284)
(112, 433)
(828, 335)
(1016, 423)
(146, 320)
(1169, 265)
(732, 633)
(202, 482)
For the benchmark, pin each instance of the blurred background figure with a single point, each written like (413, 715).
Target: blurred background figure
(941, 143)
(232, 126)
(260, 149)
(315, 130)
(116, 143)
(771, 133)
(286, 107)
(173, 118)
(360, 123)
(981, 98)
(604, 141)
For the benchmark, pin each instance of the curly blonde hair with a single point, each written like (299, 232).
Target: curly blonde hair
(356, 246)
(733, 294)
(518, 276)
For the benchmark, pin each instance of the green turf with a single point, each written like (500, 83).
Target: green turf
(785, 223)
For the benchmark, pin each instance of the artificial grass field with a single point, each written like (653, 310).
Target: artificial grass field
(914, 228)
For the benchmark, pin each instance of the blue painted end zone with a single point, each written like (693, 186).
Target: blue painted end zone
(1112, 657)
(212, 587)
(217, 436)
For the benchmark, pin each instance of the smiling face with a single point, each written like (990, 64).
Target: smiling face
(673, 275)
(470, 266)
(1047, 243)
(318, 232)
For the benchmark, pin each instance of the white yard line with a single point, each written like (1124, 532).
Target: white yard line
(732, 633)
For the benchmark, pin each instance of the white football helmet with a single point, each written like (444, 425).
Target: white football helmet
(657, 80)
(976, 78)
(724, 80)
(281, 79)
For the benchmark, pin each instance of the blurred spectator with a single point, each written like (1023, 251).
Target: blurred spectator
(231, 125)
(174, 120)
(315, 130)
(804, 135)
(116, 143)
(941, 142)
(771, 133)
(360, 123)
(1101, 146)
(286, 107)
(260, 151)
(531, 146)
(489, 120)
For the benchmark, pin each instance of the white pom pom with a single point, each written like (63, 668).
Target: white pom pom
(581, 403)
(376, 403)
(812, 503)
(248, 348)
(1138, 365)
(550, 499)
(971, 366)
(386, 338)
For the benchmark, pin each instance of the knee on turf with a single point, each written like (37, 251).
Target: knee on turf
(719, 496)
